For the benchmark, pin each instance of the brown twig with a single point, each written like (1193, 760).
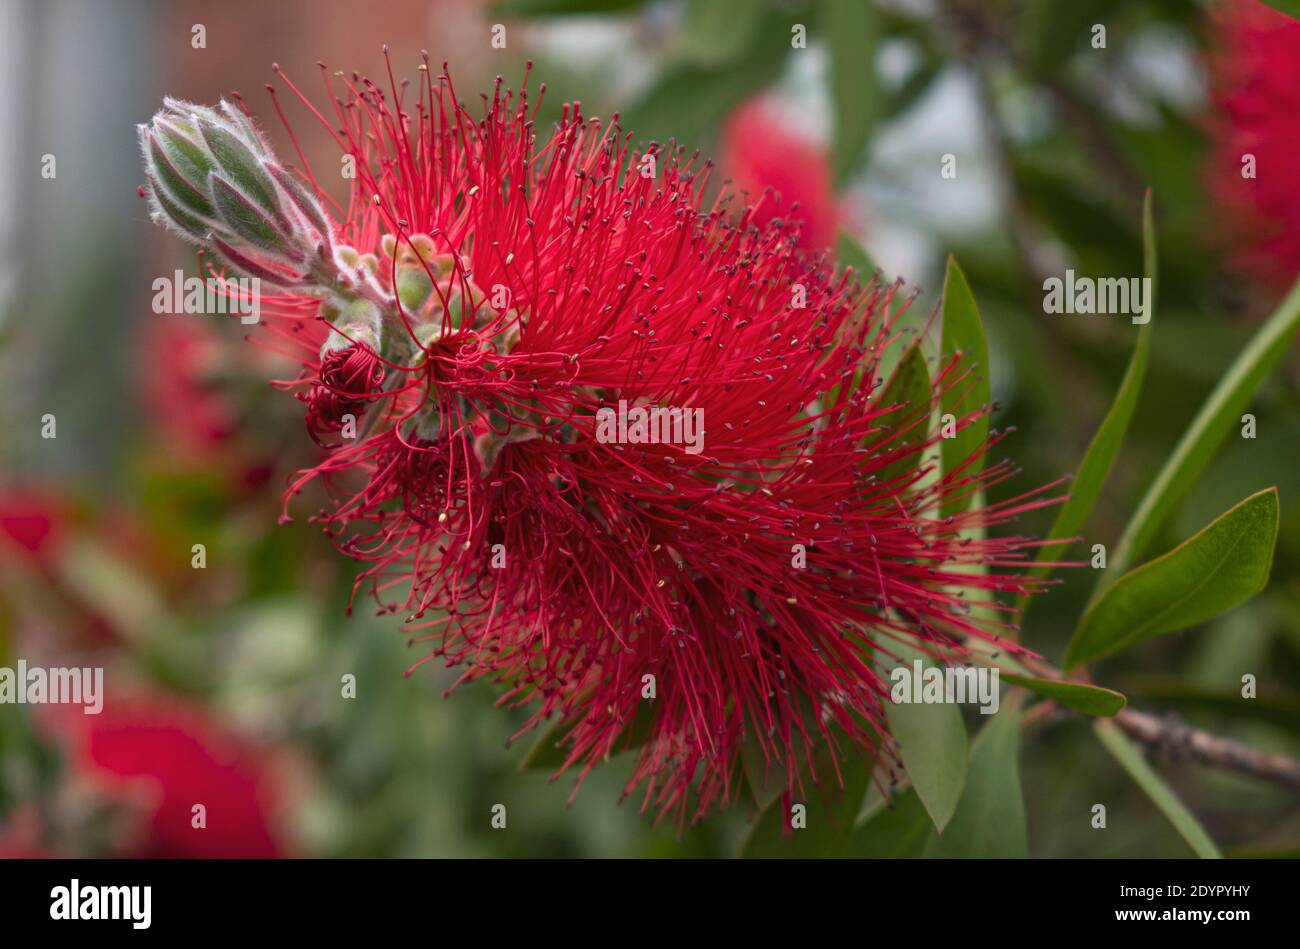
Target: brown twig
(1174, 738)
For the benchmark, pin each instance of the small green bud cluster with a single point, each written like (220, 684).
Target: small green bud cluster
(214, 180)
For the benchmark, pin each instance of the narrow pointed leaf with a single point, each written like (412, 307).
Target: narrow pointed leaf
(546, 751)
(549, 750)
(932, 745)
(1224, 565)
(908, 391)
(990, 820)
(304, 201)
(1115, 741)
(900, 828)
(851, 31)
(1218, 417)
(963, 333)
(1105, 446)
(850, 253)
(1290, 7)
(717, 31)
(185, 223)
(830, 810)
(1090, 700)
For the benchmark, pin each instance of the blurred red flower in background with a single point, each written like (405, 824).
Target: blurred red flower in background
(1255, 134)
(759, 151)
(157, 757)
(181, 399)
(30, 523)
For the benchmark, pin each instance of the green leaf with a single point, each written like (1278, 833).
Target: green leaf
(767, 781)
(550, 752)
(990, 820)
(547, 752)
(850, 253)
(1222, 566)
(688, 98)
(897, 101)
(1132, 761)
(899, 828)
(1290, 7)
(932, 744)
(831, 811)
(1217, 418)
(963, 333)
(1086, 699)
(851, 30)
(718, 31)
(1101, 453)
(909, 391)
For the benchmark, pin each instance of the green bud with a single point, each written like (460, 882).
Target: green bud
(164, 167)
(456, 311)
(241, 165)
(305, 205)
(413, 287)
(422, 245)
(350, 334)
(427, 334)
(180, 142)
(213, 180)
(246, 219)
(330, 310)
(363, 313)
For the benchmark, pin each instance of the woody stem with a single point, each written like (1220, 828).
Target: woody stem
(1173, 737)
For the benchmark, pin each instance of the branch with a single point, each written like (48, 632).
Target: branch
(1172, 737)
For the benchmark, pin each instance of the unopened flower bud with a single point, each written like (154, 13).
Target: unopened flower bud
(359, 321)
(214, 180)
(348, 335)
(351, 377)
(413, 287)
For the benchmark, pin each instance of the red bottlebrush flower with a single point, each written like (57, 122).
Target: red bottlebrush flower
(524, 493)
(785, 175)
(167, 756)
(1255, 134)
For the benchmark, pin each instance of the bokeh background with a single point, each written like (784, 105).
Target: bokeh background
(224, 682)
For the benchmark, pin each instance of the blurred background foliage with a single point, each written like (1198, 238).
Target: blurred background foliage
(168, 435)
